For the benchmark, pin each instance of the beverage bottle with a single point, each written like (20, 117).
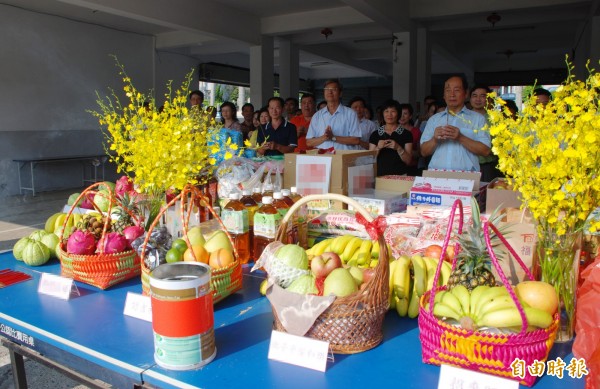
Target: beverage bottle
(267, 190)
(280, 204)
(277, 185)
(257, 195)
(294, 195)
(287, 197)
(235, 218)
(252, 207)
(266, 222)
(203, 204)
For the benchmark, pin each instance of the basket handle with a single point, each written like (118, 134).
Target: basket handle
(486, 233)
(457, 204)
(329, 196)
(85, 192)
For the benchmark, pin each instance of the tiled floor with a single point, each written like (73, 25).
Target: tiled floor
(19, 216)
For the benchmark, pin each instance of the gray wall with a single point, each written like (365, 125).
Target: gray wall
(50, 69)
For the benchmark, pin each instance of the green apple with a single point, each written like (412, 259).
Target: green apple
(218, 240)
(357, 274)
(340, 283)
(195, 236)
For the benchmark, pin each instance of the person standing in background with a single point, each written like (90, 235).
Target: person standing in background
(278, 136)
(480, 103)
(406, 122)
(196, 98)
(366, 126)
(290, 107)
(453, 137)
(247, 125)
(302, 121)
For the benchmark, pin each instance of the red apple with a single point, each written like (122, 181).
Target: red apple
(368, 274)
(323, 264)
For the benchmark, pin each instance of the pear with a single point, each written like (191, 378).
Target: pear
(340, 283)
(218, 240)
(196, 237)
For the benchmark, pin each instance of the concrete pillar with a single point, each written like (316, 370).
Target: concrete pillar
(261, 71)
(404, 67)
(423, 68)
(289, 69)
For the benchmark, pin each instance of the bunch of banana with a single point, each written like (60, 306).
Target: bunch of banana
(56, 221)
(487, 307)
(410, 278)
(352, 250)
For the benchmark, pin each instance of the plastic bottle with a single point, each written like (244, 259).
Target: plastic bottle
(280, 204)
(266, 222)
(294, 195)
(235, 219)
(267, 190)
(286, 197)
(257, 195)
(252, 207)
(203, 211)
(278, 181)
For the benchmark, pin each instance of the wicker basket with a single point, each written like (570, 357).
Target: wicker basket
(224, 281)
(491, 353)
(101, 270)
(354, 323)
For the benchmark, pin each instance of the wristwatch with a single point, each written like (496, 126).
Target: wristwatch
(334, 139)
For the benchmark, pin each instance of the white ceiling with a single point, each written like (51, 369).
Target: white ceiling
(531, 34)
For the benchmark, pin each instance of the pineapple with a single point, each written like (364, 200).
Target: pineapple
(123, 218)
(473, 263)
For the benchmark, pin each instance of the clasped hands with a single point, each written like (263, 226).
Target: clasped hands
(387, 144)
(446, 132)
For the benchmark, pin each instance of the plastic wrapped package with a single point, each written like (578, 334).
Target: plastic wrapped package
(587, 324)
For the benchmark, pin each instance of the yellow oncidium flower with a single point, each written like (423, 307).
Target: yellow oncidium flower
(166, 148)
(550, 153)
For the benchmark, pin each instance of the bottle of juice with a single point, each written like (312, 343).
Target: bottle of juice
(280, 204)
(266, 222)
(252, 207)
(287, 197)
(257, 195)
(267, 190)
(235, 218)
(203, 212)
(294, 195)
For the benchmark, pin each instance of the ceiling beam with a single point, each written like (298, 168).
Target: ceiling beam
(341, 34)
(206, 17)
(341, 56)
(393, 15)
(310, 20)
(423, 9)
(180, 39)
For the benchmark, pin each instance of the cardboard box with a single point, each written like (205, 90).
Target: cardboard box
(379, 202)
(342, 163)
(440, 191)
(398, 184)
(458, 175)
(506, 198)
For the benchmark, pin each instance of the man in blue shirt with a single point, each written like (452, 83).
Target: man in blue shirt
(278, 136)
(334, 126)
(454, 137)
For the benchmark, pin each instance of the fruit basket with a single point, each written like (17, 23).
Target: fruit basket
(224, 281)
(101, 269)
(351, 324)
(487, 352)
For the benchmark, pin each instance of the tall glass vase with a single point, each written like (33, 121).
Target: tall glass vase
(558, 265)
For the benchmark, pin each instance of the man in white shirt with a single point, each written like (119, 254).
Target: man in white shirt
(334, 126)
(365, 125)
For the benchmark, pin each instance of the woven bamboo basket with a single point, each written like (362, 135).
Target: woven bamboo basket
(224, 281)
(101, 270)
(486, 352)
(354, 323)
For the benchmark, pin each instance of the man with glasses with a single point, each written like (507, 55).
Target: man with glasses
(334, 126)
(454, 137)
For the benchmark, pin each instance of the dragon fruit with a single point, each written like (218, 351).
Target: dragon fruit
(112, 243)
(124, 185)
(82, 243)
(132, 233)
(87, 201)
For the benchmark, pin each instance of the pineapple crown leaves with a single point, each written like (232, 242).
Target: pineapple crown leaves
(472, 239)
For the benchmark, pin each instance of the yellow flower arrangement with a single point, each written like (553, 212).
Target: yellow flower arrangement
(163, 148)
(551, 155)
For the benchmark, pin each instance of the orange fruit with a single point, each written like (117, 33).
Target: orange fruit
(220, 258)
(199, 254)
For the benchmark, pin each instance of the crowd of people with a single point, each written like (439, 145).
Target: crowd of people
(445, 136)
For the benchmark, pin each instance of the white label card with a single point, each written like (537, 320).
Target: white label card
(138, 306)
(57, 286)
(456, 378)
(298, 350)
